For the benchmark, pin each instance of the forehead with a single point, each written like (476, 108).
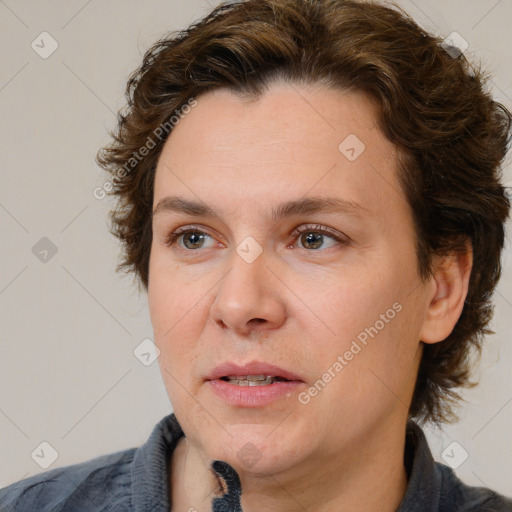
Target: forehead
(291, 141)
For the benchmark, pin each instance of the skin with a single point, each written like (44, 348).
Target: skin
(295, 306)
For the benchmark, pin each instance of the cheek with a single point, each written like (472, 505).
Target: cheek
(348, 302)
(369, 320)
(176, 306)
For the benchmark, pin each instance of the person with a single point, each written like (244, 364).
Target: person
(310, 194)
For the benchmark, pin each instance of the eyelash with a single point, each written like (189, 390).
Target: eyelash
(296, 233)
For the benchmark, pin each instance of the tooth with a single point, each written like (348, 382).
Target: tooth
(256, 383)
(256, 377)
(248, 377)
(252, 380)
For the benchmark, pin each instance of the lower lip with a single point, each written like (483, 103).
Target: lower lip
(254, 396)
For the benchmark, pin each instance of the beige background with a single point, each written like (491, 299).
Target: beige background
(69, 325)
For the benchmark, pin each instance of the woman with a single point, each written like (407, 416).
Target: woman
(309, 193)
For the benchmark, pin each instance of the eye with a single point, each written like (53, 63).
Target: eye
(313, 237)
(192, 238)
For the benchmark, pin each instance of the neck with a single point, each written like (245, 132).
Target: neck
(367, 477)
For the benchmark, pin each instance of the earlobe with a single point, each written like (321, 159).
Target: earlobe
(450, 284)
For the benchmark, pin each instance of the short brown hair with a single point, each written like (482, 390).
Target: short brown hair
(451, 136)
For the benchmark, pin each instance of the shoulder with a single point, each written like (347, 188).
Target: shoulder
(86, 486)
(456, 495)
(434, 487)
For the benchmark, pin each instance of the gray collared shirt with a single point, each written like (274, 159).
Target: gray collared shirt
(137, 480)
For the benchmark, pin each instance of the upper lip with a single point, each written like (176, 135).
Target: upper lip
(251, 368)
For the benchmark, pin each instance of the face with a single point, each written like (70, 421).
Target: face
(300, 255)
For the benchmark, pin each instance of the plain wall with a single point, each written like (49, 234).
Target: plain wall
(69, 325)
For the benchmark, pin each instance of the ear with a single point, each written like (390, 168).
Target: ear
(449, 290)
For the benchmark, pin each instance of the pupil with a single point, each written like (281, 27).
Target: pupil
(311, 240)
(195, 238)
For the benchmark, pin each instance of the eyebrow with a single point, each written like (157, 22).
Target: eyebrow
(303, 206)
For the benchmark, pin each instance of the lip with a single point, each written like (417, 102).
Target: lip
(253, 396)
(252, 368)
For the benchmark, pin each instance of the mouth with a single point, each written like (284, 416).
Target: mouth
(255, 384)
(254, 373)
(253, 380)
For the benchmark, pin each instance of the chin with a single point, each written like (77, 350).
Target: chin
(253, 448)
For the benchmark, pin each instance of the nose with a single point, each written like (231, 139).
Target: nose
(249, 297)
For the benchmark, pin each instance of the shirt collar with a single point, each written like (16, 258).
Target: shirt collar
(424, 485)
(150, 470)
(150, 480)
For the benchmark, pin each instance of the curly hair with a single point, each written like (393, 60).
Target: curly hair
(433, 105)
